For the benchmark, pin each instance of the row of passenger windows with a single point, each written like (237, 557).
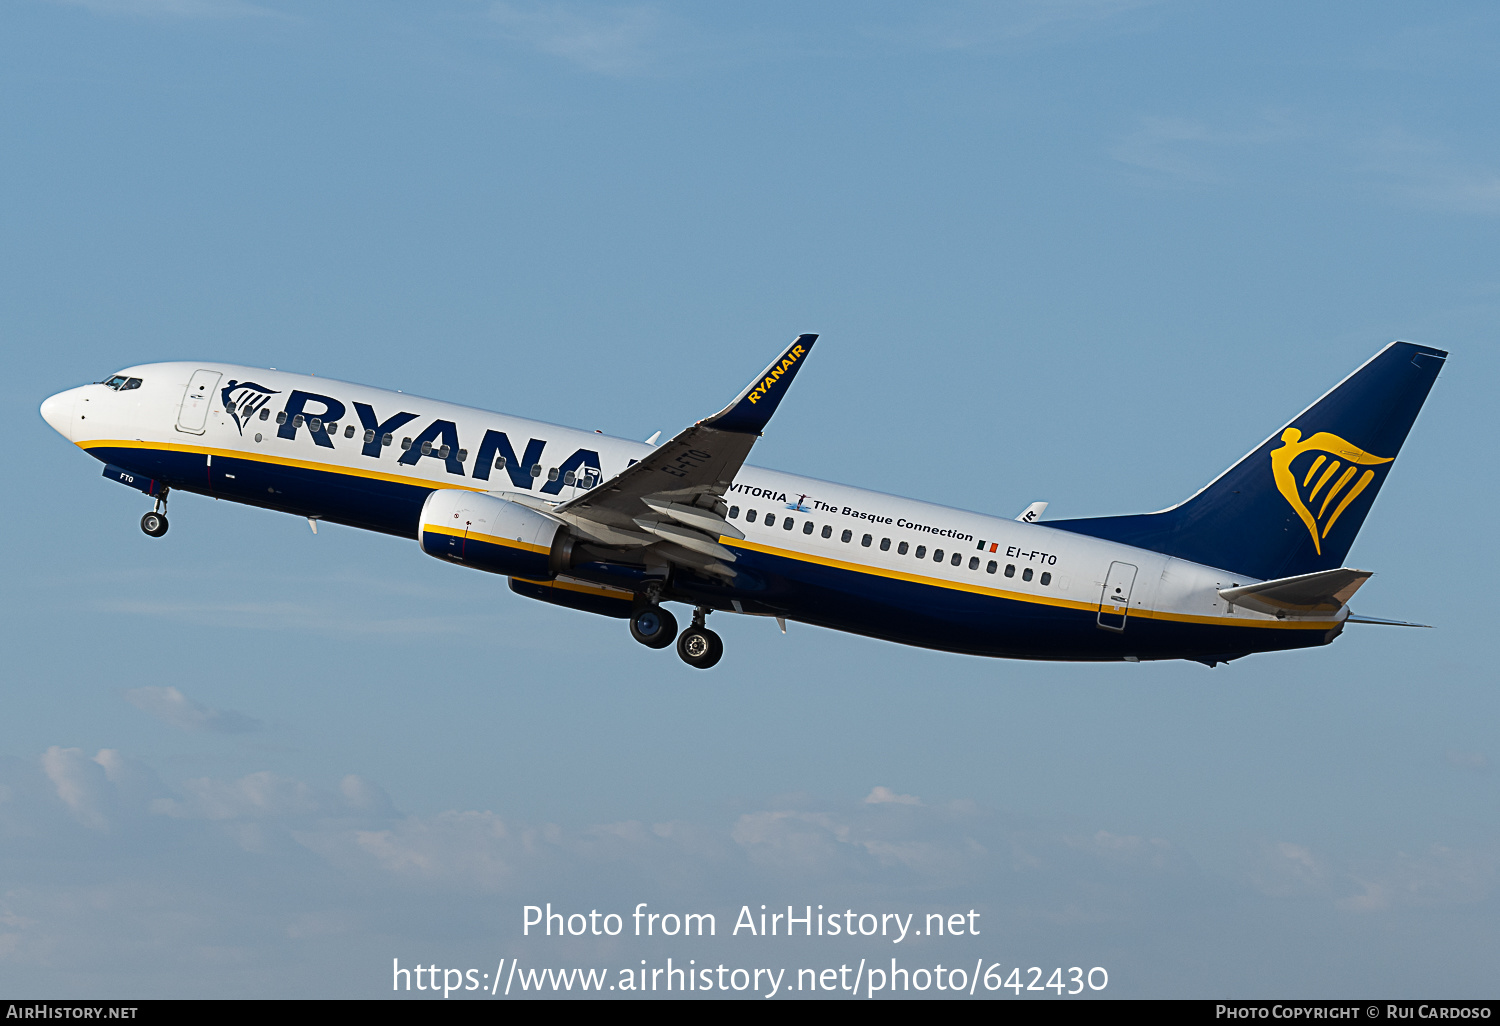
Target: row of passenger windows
(587, 479)
(902, 548)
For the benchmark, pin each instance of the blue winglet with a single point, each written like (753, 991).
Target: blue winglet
(752, 408)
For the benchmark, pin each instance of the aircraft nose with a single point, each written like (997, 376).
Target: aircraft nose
(57, 410)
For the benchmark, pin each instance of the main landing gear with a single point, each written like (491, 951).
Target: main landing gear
(155, 522)
(698, 646)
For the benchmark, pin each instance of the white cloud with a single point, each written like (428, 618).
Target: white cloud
(80, 784)
(175, 709)
(1193, 150)
(884, 795)
(1430, 174)
(615, 40)
(261, 870)
(979, 25)
(1285, 869)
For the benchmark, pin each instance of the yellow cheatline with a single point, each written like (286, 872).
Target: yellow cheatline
(1016, 596)
(491, 539)
(586, 589)
(280, 461)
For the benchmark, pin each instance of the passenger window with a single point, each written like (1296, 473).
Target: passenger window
(901, 549)
(866, 540)
(349, 432)
(921, 552)
(734, 512)
(499, 460)
(1046, 579)
(770, 520)
(937, 555)
(750, 517)
(827, 531)
(315, 425)
(463, 454)
(958, 558)
(885, 545)
(568, 478)
(443, 452)
(298, 421)
(973, 562)
(807, 527)
(229, 407)
(991, 567)
(787, 523)
(281, 417)
(1026, 574)
(387, 438)
(406, 443)
(1010, 569)
(536, 470)
(266, 413)
(847, 536)
(552, 474)
(426, 448)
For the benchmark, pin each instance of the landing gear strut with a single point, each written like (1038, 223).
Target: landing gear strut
(700, 647)
(155, 522)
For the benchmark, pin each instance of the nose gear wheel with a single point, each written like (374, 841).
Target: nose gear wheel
(154, 524)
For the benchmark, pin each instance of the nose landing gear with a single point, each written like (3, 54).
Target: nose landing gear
(155, 522)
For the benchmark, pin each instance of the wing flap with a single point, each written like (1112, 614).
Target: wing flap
(670, 502)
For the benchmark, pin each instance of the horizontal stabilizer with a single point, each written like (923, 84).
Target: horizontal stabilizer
(1326, 591)
(1386, 623)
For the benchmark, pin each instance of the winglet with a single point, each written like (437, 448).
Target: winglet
(752, 408)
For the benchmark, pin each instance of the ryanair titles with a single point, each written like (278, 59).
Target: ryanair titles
(757, 393)
(323, 417)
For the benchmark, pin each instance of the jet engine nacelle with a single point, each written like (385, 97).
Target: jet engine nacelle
(492, 534)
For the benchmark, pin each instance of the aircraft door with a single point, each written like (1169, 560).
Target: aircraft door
(1114, 601)
(196, 401)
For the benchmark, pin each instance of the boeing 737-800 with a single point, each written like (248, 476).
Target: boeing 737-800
(1252, 563)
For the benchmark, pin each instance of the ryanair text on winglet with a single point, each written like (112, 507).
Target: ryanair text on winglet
(765, 386)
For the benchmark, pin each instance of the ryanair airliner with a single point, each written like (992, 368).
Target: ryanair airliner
(1252, 563)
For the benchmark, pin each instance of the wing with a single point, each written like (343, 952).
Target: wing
(671, 502)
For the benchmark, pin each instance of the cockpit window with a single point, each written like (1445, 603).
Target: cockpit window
(121, 383)
(131, 383)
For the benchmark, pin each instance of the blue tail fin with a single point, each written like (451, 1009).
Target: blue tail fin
(1294, 505)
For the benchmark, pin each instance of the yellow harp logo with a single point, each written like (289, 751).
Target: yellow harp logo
(1325, 475)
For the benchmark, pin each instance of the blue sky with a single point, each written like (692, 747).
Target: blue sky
(246, 760)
